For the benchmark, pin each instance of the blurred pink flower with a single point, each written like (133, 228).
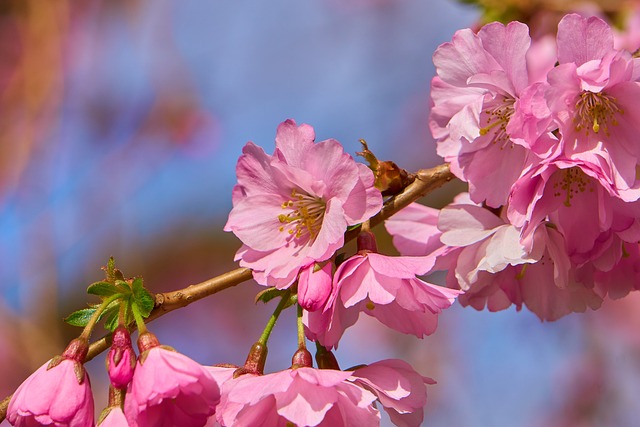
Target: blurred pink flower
(399, 388)
(292, 209)
(121, 360)
(57, 394)
(383, 287)
(303, 397)
(480, 78)
(169, 389)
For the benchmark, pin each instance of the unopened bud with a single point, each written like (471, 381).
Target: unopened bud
(367, 242)
(256, 359)
(314, 286)
(302, 359)
(121, 360)
(326, 359)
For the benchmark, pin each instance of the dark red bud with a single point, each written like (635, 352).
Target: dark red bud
(256, 359)
(147, 341)
(302, 359)
(367, 242)
(77, 350)
(326, 359)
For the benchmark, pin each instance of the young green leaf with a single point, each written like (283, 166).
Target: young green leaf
(80, 317)
(111, 266)
(142, 297)
(111, 318)
(103, 289)
(123, 287)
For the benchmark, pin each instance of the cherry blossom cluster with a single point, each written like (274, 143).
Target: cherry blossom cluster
(291, 210)
(166, 389)
(545, 132)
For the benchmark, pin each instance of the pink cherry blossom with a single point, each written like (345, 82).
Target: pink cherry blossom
(57, 394)
(169, 389)
(415, 230)
(577, 198)
(399, 388)
(115, 418)
(496, 270)
(383, 287)
(302, 397)
(481, 251)
(480, 78)
(488, 243)
(549, 287)
(593, 96)
(616, 272)
(291, 209)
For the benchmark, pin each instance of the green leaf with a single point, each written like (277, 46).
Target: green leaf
(143, 299)
(80, 317)
(111, 318)
(111, 266)
(103, 289)
(269, 294)
(123, 286)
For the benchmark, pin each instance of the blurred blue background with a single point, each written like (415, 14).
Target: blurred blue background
(120, 126)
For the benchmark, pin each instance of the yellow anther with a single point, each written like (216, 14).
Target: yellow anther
(305, 214)
(596, 111)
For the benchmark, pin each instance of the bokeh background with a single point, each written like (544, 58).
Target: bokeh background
(120, 125)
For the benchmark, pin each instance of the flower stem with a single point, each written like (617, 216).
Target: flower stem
(274, 317)
(142, 327)
(302, 342)
(86, 332)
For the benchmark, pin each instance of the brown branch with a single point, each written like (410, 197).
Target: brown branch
(169, 301)
(426, 181)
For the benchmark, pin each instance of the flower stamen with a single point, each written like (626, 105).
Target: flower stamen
(595, 111)
(573, 181)
(497, 118)
(306, 214)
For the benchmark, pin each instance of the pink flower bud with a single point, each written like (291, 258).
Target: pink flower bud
(58, 393)
(121, 360)
(314, 286)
